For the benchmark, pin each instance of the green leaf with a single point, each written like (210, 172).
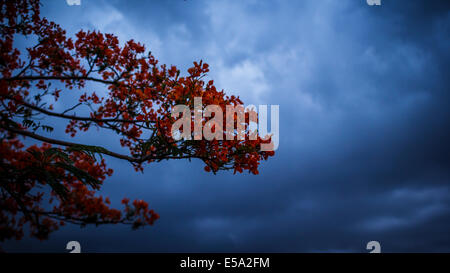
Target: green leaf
(47, 128)
(89, 150)
(56, 186)
(82, 175)
(52, 152)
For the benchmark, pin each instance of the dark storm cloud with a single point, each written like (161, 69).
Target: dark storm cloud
(364, 127)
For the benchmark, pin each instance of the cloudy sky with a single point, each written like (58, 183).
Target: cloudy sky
(364, 148)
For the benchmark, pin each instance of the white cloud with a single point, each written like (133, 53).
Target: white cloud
(108, 19)
(245, 78)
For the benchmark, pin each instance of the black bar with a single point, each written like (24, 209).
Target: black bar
(220, 262)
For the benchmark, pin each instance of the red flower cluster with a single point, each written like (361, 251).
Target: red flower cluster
(25, 171)
(137, 108)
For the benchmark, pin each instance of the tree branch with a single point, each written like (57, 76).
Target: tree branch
(49, 113)
(104, 151)
(76, 78)
(68, 144)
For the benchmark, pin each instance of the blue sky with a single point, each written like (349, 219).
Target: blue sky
(364, 126)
